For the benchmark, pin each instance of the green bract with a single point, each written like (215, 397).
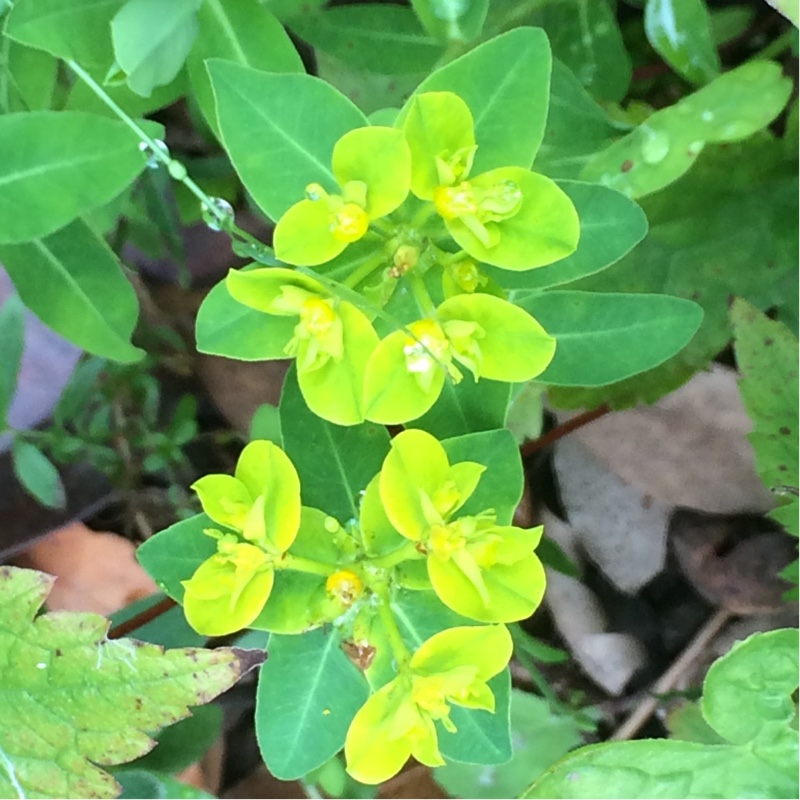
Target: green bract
(509, 217)
(478, 568)
(398, 721)
(332, 341)
(488, 336)
(373, 169)
(260, 511)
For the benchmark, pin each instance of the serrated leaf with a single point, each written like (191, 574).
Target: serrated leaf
(602, 338)
(72, 162)
(746, 697)
(71, 699)
(767, 357)
(308, 693)
(74, 283)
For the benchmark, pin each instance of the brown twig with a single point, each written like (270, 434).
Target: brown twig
(141, 619)
(669, 679)
(562, 430)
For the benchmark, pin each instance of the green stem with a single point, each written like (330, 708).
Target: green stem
(407, 552)
(299, 564)
(364, 271)
(176, 169)
(421, 292)
(422, 216)
(775, 47)
(402, 655)
(385, 229)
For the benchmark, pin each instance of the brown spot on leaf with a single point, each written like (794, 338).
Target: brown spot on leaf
(784, 430)
(768, 341)
(627, 165)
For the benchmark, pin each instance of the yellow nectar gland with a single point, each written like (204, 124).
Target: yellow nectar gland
(350, 223)
(345, 585)
(317, 315)
(455, 201)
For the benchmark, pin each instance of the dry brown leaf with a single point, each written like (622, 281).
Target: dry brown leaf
(96, 571)
(623, 530)
(689, 449)
(733, 561)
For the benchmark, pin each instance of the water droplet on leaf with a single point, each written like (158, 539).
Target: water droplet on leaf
(655, 147)
(153, 160)
(220, 216)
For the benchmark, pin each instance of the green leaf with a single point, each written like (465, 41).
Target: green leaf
(746, 698)
(266, 424)
(228, 328)
(577, 127)
(737, 250)
(386, 39)
(308, 693)
(680, 32)
(71, 163)
(602, 338)
(37, 474)
(611, 226)
(585, 35)
(788, 9)
(266, 125)
(545, 229)
(540, 737)
(138, 784)
(74, 283)
(466, 407)
(76, 30)
(70, 696)
(173, 555)
(32, 78)
(505, 82)
(241, 31)
(335, 391)
(12, 335)
(453, 20)
(152, 55)
(767, 357)
(514, 347)
(334, 463)
(183, 743)
(731, 108)
(500, 486)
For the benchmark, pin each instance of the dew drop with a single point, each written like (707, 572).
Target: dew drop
(224, 214)
(314, 192)
(41, 665)
(331, 525)
(655, 147)
(151, 156)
